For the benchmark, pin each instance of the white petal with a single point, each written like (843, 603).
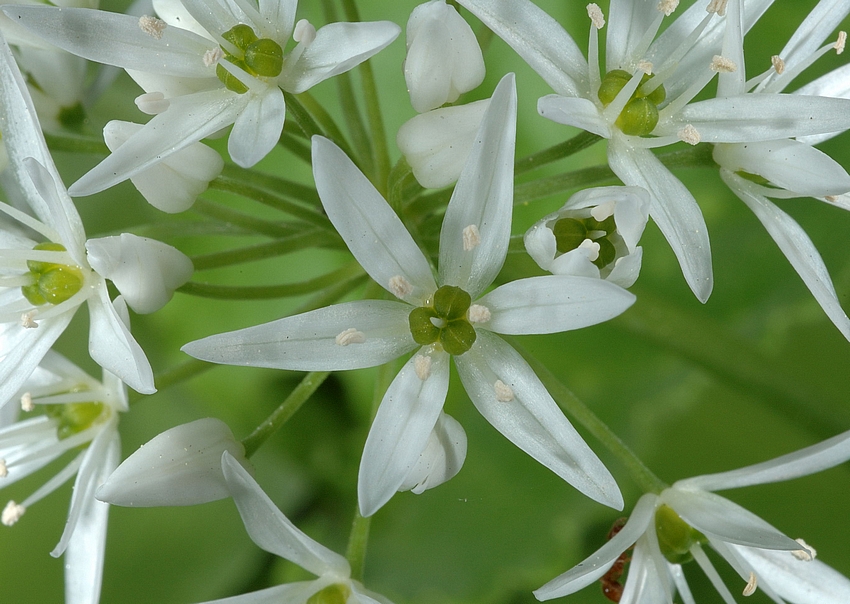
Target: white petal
(400, 430)
(271, 530)
(309, 342)
(572, 111)
(483, 197)
(576, 263)
(796, 246)
(257, 127)
(626, 269)
(553, 303)
(648, 577)
(218, 16)
(437, 143)
(181, 466)
(288, 593)
(531, 419)
(364, 219)
(337, 48)
(175, 14)
(814, 29)
(145, 271)
(673, 209)
(441, 459)
(538, 39)
(594, 567)
(279, 14)
(628, 23)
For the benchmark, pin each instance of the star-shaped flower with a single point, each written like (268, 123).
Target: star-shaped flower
(438, 319)
(206, 64)
(672, 528)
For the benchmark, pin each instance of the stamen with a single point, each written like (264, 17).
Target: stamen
(478, 314)
(213, 56)
(504, 393)
(27, 320)
(400, 287)
(689, 135)
(152, 26)
(718, 7)
(422, 366)
(722, 64)
(4, 471)
(831, 198)
(778, 64)
(596, 16)
(304, 32)
(26, 402)
(350, 336)
(12, 513)
(841, 42)
(668, 6)
(592, 247)
(807, 554)
(471, 238)
(751, 586)
(152, 103)
(645, 66)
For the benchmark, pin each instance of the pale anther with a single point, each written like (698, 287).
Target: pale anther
(689, 135)
(668, 6)
(213, 56)
(304, 32)
(751, 586)
(400, 287)
(350, 336)
(152, 103)
(27, 320)
(12, 513)
(4, 471)
(831, 198)
(807, 554)
(152, 26)
(592, 248)
(471, 238)
(596, 16)
(778, 64)
(840, 43)
(645, 66)
(26, 402)
(478, 313)
(717, 6)
(504, 393)
(723, 64)
(422, 366)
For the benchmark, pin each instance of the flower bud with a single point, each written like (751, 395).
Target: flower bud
(441, 459)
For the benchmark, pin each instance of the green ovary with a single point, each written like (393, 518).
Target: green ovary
(445, 321)
(73, 418)
(675, 536)
(332, 594)
(571, 232)
(640, 115)
(51, 283)
(260, 57)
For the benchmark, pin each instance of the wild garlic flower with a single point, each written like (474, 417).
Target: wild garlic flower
(439, 319)
(44, 283)
(79, 412)
(205, 64)
(595, 234)
(443, 57)
(643, 100)
(672, 528)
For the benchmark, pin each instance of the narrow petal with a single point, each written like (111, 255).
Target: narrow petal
(594, 567)
(628, 23)
(507, 393)
(673, 209)
(371, 229)
(647, 579)
(538, 39)
(352, 335)
(574, 111)
(482, 199)
(810, 35)
(218, 16)
(271, 530)
(400, 430)
(796, 245)
(257, 127)
(289, 593)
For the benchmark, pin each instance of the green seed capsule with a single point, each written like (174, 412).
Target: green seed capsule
(60, 283)
(675, 536)
(32, 292)
(265, 58)
(611, 85)
(451, 302)
(457, 337)
(422, 329)
(230, 81)
(73, 418)
(569, 233)
(241, 36)
(332, 594)
(638, 118)
(38, 266)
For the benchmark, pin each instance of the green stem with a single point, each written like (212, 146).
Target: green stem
(262, 251)
(302, 117)
(243, 221)
(642, 475)
(265, 292)
(271, 184)
(296, 146)
(303, 391)
(75, 144)
(577, 143)
(560, 183)
(325, 120)
(175, 375)
(398, 176)
(332, 294)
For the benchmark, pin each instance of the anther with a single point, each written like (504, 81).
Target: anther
(26, 402)
(751, 586)
(645, 66)
(592, 247)
(689, 135)
(667, 7)
(831, 198)
(807, 554)
(27, 320)
(400, 287)
(304, 32)
(596, 16)
(504, 393)
(213, 56)
(152, 26)
(422, 366)
(840, 43)
(722, 64)
(718, 7)
(4, 471)
(778, 64)
(471, 238)
(12, 513)
(350, 336)
(478, 313)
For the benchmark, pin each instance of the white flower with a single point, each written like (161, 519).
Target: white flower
(672, 528)
(271, 530)
(438, 319)
(79, 412)
(215, 62)
(181, 466)
(595, 234)
(643, 99)
(443, 57)
(43, 284)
